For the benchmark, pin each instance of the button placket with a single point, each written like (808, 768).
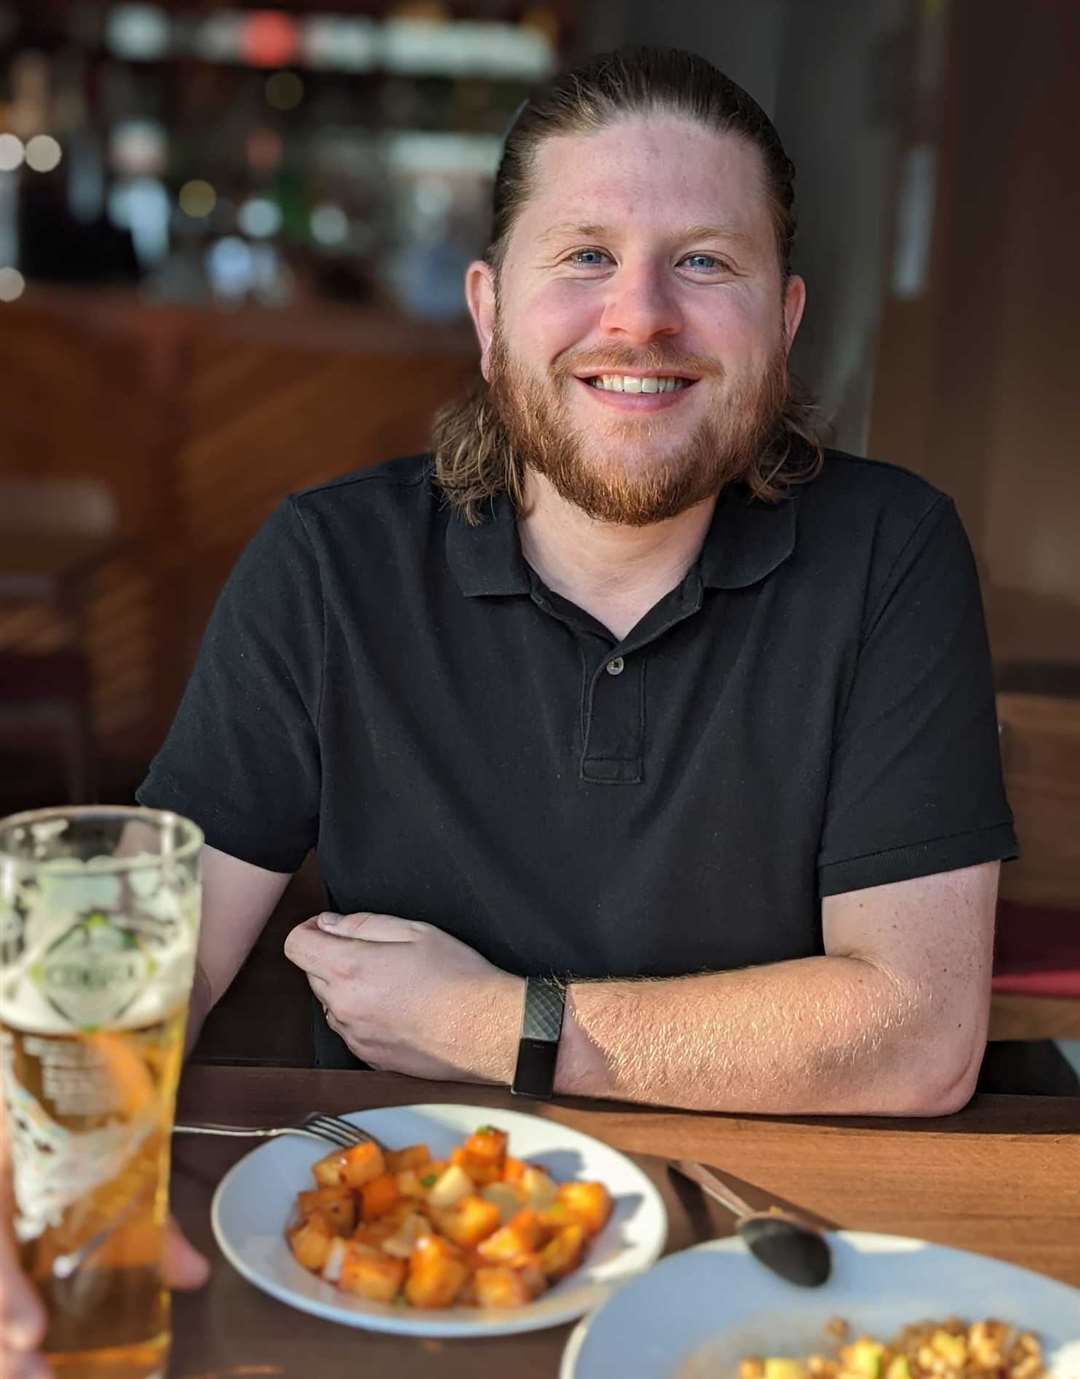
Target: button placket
(614, 742)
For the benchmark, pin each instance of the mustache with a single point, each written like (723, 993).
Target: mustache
(654, 358)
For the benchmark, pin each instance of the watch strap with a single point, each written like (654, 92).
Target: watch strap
(538, 1048)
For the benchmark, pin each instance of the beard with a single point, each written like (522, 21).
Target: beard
(630, 485)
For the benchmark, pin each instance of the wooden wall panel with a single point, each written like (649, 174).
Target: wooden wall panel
(199, 423)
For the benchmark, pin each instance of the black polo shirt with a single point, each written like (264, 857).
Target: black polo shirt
(810, 712)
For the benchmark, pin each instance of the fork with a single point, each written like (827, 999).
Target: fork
(319, 1125)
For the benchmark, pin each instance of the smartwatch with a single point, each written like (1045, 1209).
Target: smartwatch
(541, 1025)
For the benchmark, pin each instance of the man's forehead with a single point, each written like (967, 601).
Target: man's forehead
(668, 174)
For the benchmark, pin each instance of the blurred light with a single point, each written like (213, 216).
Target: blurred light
(421, 152)
(433, 196)
(230, 267)
(12, 152)
(914, 222)
(269, 39)
(284, 90)
(329, 224)
(12, 284)
(138, 32)
(348, 45)
(148, 210)
(43, 153)
(418, 47)
(264, 149)
(219, 38)
(259, 218)
(197, 198)
(139, 148)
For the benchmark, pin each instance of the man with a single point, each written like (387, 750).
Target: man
(628, 687)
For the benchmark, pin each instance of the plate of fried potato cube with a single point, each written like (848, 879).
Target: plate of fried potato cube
(461, 1221)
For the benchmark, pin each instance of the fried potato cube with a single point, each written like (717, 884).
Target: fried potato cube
(498, 1285)
(310, 1242)
(363, 1162)
(484, 1155)
(540, 1187)
(469, 1221)
(378, 1196)
(558, 1215)
(436, 1273)
(562, 1253)
(590, 1202)
(371, 1273)
(330, 1171)
(507, 1197)
(337, 1204)
(520, 1236)
(415, 1156)
(513, 1169)
(403, 1241)
(408, 1183)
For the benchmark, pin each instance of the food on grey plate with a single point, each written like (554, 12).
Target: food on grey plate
(480, 1228)
(949, 1349)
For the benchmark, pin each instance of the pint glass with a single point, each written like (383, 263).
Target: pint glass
(99, 916)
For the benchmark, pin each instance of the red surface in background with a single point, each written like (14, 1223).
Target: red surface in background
(1037, 951)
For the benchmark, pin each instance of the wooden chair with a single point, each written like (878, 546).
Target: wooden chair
(1036, 985)
(53, 532)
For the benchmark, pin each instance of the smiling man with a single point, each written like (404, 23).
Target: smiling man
(627, 706)
(649, 751)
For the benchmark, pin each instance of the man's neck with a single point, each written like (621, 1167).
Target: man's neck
(614, 573)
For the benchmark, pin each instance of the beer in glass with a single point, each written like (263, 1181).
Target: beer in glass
(99, 917)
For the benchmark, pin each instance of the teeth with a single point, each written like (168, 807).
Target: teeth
(632, 383)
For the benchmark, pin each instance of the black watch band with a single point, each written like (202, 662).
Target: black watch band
(541, 1025)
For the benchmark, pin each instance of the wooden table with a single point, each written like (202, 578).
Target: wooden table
(1002, 1177)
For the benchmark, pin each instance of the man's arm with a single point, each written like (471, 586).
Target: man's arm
(237, 900)
(892, 1021)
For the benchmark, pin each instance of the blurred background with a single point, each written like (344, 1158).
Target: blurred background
(231, 248)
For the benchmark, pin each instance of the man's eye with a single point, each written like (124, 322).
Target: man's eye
(704, 263)
(588, 258)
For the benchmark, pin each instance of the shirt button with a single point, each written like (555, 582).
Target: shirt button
(616, 665)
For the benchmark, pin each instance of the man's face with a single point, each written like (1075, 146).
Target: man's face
(644, 259)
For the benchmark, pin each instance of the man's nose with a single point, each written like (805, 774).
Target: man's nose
(640, 305)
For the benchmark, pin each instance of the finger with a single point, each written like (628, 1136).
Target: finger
(24, 1366)
(182, 1264)
(320, 986)
(308, 947)
(22, 1314)
(372, 928)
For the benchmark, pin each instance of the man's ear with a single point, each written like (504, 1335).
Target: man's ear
(794, 305)
(480, 295)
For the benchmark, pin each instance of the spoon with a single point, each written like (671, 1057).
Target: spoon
(785, 1243)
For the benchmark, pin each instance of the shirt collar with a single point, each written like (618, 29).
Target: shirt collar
(487, 559)
(746, 541)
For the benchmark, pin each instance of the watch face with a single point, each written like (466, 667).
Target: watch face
(535, 1074)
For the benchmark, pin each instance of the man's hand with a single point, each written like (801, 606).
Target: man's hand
(408, 998)
(22, 1317)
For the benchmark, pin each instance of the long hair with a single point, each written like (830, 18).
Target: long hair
(474, 459)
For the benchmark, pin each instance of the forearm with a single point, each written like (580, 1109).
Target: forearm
(825, 1035)
(199, 1008)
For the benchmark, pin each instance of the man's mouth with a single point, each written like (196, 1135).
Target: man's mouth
(637, 383)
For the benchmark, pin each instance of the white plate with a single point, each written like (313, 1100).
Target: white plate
(700, 1311)
(256, 1199)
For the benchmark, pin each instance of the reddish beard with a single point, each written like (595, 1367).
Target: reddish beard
(722, 448)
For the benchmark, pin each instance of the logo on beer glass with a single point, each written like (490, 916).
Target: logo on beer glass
(93, 973)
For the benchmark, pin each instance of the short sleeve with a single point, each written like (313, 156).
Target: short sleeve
(242, 756)
(915, 781)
